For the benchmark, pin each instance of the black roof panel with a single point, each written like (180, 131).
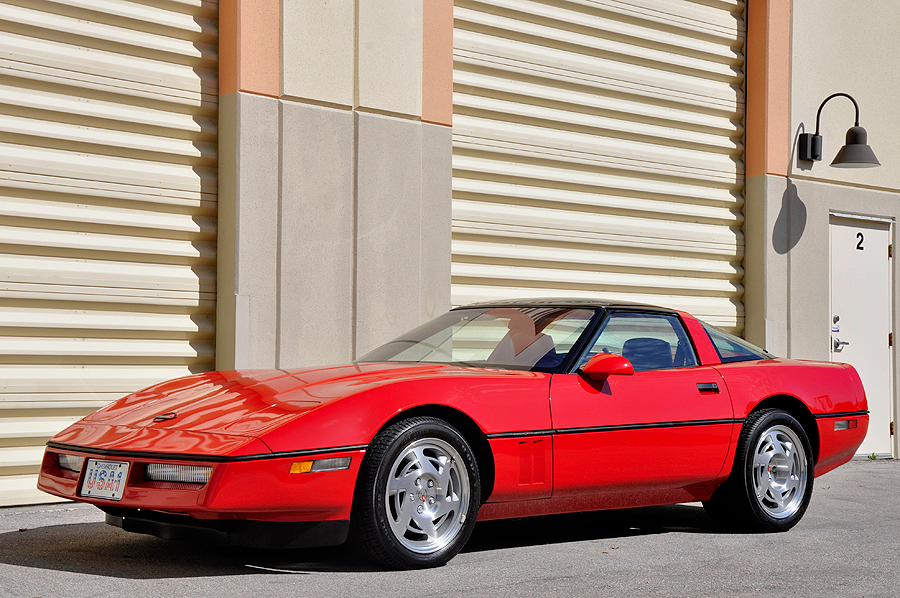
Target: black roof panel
(562, 302)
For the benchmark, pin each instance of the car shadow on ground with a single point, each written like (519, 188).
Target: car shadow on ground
(100, 549)
(595, 525)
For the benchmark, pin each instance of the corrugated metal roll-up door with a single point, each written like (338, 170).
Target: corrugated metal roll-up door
(108, 118)
(598, 151)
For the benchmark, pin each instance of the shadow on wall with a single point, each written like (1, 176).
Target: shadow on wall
(791, 221)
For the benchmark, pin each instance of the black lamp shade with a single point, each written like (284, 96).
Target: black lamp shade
(856, 153)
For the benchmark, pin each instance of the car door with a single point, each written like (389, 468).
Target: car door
(665, 427)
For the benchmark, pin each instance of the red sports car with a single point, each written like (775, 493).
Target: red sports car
(497, 410)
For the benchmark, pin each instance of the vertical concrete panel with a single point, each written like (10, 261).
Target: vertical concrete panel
(319, 50)
(766, 274)
(316, 268)
(256, 229)
(808, 262)
(226, 237)
(389, 231)
(436, 219)
(810, 291)
(390, 56)
(754, 260)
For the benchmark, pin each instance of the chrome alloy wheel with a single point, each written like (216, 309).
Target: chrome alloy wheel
(779, 472)
(427, 495)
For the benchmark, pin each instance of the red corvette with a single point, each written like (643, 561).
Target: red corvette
(506, 409)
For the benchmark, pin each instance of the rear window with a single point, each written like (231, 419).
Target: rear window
(732, 348)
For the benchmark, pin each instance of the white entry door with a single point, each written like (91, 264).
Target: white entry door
(861, 317)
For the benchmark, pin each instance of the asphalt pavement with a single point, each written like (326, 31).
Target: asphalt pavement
(845, 546)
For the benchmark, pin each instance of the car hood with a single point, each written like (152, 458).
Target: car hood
(252, 402)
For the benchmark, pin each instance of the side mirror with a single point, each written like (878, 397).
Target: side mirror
(602, 365)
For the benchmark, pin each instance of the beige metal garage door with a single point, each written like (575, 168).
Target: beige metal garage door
(108, 115)
(598, 151)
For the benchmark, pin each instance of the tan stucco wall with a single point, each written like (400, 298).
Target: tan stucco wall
(838, 48)
(850, 48)
(833, 47)
(335, 193)
(788, 258)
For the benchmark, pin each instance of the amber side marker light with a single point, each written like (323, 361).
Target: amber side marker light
(844, 424)
(335, 464)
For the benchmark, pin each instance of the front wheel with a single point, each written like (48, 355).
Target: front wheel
(418, 495)
(771, 483)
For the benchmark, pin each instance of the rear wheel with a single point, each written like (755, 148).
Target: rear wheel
(772, 479)
(418, 495)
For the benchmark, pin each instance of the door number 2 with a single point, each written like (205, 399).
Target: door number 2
(860, 244)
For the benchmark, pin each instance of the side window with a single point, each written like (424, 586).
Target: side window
(648, 341)
(732, 348)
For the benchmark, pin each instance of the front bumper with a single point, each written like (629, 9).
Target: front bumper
(252, 488)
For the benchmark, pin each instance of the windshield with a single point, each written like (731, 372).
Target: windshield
(499, 337)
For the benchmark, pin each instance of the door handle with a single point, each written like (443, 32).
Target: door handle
(707, 387)
(838, 343)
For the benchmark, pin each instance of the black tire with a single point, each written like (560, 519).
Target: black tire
(771, 482)
(427, 523)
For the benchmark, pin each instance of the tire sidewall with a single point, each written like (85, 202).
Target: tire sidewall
(400, 437)
(765, 421)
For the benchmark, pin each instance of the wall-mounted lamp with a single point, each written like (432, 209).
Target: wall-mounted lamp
(856, 153)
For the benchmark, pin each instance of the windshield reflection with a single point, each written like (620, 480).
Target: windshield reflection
(520, 338)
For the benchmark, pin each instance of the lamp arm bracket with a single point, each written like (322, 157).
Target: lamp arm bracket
(834, 95)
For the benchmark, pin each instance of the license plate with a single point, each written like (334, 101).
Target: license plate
(104, 479)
